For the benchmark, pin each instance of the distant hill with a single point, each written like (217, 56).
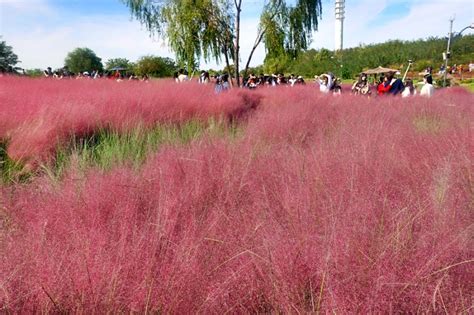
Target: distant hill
(394, 54)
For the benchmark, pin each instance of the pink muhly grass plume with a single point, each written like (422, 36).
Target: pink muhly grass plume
(325, 204)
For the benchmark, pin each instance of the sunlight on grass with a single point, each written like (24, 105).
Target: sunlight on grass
(428, 124)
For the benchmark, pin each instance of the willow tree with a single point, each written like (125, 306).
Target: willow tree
(286, 30)
(211, 28)
(192, 28)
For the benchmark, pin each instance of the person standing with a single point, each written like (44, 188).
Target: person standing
(48, 72)
(361, 86)
(384, 86)
(324, 83)
(182, 76)
(428, 89)
(396, 85)
(409, 89)
(204, 77)
(460, 71)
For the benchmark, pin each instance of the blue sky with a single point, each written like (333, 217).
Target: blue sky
(395, 10)
(42, 32)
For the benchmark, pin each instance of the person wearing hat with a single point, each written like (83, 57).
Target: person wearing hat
(428, 89)
(300, 80)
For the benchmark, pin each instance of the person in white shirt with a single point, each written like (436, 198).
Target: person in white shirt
(471, 67)
(204, 78)
(409, 89)
(292, 79)
(182, 76)
(325, 83)
(428, 88)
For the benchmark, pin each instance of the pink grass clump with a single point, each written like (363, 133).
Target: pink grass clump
(325, 204)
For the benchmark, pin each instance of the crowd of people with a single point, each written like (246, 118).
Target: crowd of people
(116, 75)
(388, 83)
(328, 82)
(456, 69)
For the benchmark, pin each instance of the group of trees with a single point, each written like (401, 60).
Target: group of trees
(84, 59)
(393, 54)
(211, 28)
(154, 66)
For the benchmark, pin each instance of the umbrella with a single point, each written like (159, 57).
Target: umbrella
(379, 70)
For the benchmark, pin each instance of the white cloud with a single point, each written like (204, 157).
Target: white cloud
(109, 37)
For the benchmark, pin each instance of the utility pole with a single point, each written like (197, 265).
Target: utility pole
(448, 53)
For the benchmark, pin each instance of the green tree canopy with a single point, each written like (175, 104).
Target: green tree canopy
(118, 62)
(155, 66)
(83, 59)
(8, 59)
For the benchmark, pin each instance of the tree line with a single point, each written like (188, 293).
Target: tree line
(346, 64)
(84, 59)
(393, 54)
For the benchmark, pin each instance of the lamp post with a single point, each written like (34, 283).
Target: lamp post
(447, 55)
(339, 26)
(469, 26)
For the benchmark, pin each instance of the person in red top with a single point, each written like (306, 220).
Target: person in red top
(384, 86)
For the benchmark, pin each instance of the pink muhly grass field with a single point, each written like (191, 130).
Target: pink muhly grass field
(326, 204)
(38, 115)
